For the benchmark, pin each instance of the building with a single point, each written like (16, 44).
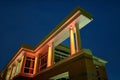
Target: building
(50, 60)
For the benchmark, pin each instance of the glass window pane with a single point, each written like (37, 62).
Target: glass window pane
(33, 64)
(27, 63)
(26, 70)
(31, 71)
(28, 58)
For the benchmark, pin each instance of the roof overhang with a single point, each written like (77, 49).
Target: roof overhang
(61, 32)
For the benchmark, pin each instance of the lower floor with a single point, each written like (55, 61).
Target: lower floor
(81, 66)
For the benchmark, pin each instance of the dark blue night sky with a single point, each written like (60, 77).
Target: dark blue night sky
(28, 22)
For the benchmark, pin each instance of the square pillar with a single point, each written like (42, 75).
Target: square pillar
(78, 38)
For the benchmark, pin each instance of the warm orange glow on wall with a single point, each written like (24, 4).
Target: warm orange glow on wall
(72, 42)
(49, 60)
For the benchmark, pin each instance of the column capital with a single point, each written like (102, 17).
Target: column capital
(13, 64)
(50, 44)
(72, 27)
(19, 60)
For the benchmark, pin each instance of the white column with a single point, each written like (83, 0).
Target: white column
(50, 60)
(72, 41)
(18, 67)
(78, 40)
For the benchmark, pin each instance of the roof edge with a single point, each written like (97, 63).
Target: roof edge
(64, 20)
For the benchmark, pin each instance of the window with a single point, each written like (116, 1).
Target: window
(29, 65)
(98, 73)
(62, 76)
(63, 79)
(43, 61)
(18, 68)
